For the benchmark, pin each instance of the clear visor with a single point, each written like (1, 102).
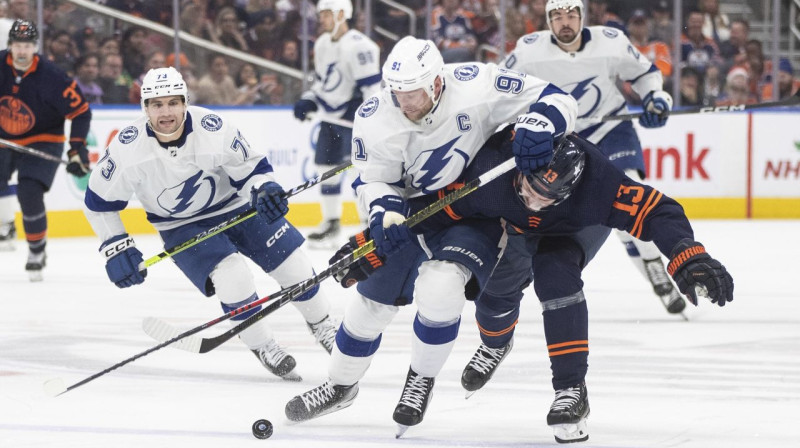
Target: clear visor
(534, 198)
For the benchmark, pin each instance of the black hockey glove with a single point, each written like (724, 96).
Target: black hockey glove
(78, 157)
(360, 269)
(691, 267)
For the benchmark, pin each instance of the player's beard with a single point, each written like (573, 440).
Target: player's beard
(566, 35)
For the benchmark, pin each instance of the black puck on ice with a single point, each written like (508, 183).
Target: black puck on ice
(262, 429)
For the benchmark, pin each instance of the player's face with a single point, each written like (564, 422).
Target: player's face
(166, 113)
(22, 54)
(565, 24)
(326, 22)
(532, 199)
(414, 104)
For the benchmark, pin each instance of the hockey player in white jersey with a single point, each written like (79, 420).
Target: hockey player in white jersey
(416, 136)
(347, 70)
(191, 169)
(586, 62)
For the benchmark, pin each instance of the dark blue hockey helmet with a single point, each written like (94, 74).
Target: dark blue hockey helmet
(553, 183)
(23, 31)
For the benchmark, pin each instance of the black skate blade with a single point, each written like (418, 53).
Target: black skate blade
(292, 376)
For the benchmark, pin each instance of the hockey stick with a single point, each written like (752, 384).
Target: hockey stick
(329, 119)
(34, 152)
(791, 101)
(225, 225)
(160, 330)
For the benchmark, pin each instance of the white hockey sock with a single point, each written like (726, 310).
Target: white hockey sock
(427, 360)
(295, 269)
(331, 205)
(347, 370)
(7, 207)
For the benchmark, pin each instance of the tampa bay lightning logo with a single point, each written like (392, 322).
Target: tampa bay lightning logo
(530, 38)
(188, 197)
(211, 122)
(610, 32)
(435, 168)
(128, 134)
(332, 78)
(588, 95)
(466, 72)
(369, 107)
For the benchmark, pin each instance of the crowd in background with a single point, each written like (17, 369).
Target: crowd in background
(719, 64)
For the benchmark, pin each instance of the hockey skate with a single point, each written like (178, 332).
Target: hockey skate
(36, 262)
(663, 286)
(277, 361)
(320, 401)
(568, 414)
(413, 402)
(482, 366)
(8, 232)
(324, 332)
(326, 236)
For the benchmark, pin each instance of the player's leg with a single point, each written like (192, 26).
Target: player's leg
(8, 229)
(624, 150)
(333, 147)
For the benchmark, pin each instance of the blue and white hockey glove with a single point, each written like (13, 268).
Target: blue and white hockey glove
(360, 269)
(304, 107)
(533, 142)
(386, 225)
(270, 201)
(691, 267)
(656, 106)
(78, 158)
(122, 261)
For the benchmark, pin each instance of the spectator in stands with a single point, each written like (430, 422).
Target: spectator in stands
(247, 81)
(690, 87)
(663, 26)
(115, 84)
(109, 45)
(534, 14)
(261, 37)
(290, 53)
(62, 52)
(69, 17)
(486, 22)
(88, 41)
(656, 51)
(227, 30)
(217, 86)
(87, 68)
(186, 70)
(716, 25)
(452, 32)
(272, 90)
(155, 59)
(737, 90)
(20, 9)
(600, 15)
(733, 50)
(712, 85)
(133, 49)
(697, 50)
(787, 84)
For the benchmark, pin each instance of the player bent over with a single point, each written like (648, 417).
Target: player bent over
(413, 139)
(558, 217)
(192, 169)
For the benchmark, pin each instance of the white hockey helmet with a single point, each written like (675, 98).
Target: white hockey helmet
(336, 5)
(165, 81)
(413, 64)
(552, 5)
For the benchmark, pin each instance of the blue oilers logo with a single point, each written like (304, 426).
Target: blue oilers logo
(211, 122)
(189, 197)
(466, 72)
(588, 95)
(128, 135)
(530, 38)
(369, 107)
(610, 32)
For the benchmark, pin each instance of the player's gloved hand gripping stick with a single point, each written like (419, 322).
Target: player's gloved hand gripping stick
(161, 330)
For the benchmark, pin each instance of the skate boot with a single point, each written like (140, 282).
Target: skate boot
(663, 286)
(324, 332)
(319, 401)
(277, 361)
(482, 366)
(8, 233)
(568, 414)
(36, 262)
(326, 236)
(413, 402)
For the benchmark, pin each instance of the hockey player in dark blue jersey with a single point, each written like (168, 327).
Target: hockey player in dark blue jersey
(557, 219)
(36, 97)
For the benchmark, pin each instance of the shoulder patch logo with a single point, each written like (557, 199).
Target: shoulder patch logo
(211, 122)
(466, 72)
(128, 135)
(610, 33)
(530, 38)
(369, 107)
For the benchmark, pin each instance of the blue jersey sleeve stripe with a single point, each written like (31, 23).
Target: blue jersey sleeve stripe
(652, 69)
(369, 80)
(97, 204)
(263, 167)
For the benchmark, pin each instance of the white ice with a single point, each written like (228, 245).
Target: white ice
(729, 377)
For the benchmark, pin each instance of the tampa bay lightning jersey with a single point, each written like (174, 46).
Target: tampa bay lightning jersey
(209, 171)
(588, 74)
(345, 69)
(395, 156)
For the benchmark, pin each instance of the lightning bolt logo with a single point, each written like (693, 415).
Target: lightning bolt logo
(437, 164)
(175, 204)
(582, 93)
(332, 78)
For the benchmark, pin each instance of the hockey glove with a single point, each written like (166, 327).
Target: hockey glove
(78, 157)
(360, 269)
(533, 142)
(691, 267)
(304, 107)
(122, 261)
(386, 225)
(269, 200)
(656, 106)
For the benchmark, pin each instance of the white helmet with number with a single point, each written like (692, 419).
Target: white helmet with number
(552, 5)
(413, 64)
(336, 5)
(160, 82)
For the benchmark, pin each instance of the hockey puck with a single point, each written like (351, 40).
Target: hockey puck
(262, 429)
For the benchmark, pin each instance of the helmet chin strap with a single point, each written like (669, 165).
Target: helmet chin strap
(171, 134)
(337, 24)
(428, 118)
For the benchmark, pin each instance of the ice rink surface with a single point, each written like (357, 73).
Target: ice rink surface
(729, 377)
